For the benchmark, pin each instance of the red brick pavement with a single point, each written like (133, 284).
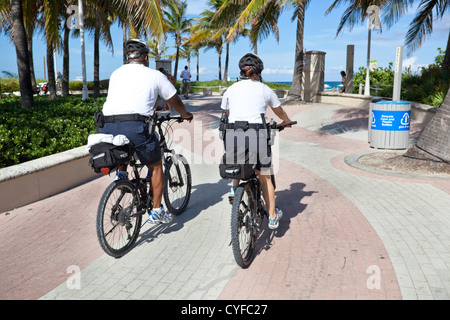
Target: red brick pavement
(322, 250)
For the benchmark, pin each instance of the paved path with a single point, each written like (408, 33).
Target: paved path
(347, 233)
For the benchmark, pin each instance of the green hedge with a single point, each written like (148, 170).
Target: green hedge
(48, 128)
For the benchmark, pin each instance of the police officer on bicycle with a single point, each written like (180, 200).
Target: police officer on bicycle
(245, 101)
(132, 94)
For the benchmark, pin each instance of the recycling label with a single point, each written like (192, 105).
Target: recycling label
(390, 120)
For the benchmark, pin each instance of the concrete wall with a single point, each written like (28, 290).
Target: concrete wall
(34, 180)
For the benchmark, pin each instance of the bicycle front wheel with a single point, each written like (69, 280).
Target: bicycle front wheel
(243, 225)
(177, 185)
(118, 225)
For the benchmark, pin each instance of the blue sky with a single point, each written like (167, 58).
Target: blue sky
(319, 34)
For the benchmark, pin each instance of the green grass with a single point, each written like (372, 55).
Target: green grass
(197, 86)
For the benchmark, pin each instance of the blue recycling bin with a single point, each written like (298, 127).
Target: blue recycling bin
(389, 124)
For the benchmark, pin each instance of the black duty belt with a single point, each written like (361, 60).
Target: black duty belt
(245, 127)
(125, 117)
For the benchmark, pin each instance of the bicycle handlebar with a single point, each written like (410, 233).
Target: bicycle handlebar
(168, 117)
(281, 128)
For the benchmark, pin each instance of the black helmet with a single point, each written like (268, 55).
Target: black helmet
(251, 60)
(134, 45)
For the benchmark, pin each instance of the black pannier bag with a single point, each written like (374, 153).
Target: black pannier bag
(108, 156)
(239, 163)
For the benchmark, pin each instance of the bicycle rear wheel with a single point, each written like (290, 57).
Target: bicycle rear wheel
(118, 225)
(177, 184)
(243, 225)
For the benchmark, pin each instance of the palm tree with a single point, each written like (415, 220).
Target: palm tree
(434, 138)
(177, 24)
(20, 41)
(157, 50)
(422, 26)
(262, 16)
(429, 12)
(206, 34)
(98, 17)
(296, 90)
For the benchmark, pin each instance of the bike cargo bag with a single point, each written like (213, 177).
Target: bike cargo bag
(238, 164)
(107, 155)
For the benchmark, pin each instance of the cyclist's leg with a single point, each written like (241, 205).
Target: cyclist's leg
(157, 178)
(268, 192)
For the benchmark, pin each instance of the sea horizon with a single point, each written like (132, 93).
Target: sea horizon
(330, 84)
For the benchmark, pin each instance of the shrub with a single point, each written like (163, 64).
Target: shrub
(48, 128)
(430, 86)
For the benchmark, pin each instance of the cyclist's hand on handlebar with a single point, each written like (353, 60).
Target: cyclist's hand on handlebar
(188, 116)
(285, 124)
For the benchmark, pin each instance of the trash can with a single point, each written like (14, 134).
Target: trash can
(389, 124)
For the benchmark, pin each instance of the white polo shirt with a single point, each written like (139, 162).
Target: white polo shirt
(185, 75)
(247, 99)
(134, 88)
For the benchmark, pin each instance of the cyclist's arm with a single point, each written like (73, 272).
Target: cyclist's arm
(176, 102)
(280, 113)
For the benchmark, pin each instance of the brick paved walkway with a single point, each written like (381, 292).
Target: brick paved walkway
(347, 233)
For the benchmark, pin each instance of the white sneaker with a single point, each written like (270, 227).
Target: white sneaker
(159, 216)
(121, 175)
(274, 223)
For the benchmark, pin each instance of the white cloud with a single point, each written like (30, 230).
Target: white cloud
(202, 70)
(279, 70)
(412, 64)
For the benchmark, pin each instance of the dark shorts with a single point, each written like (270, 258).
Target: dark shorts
(254, 140)
(147, 146)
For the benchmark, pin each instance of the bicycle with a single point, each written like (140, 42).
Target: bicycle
(248, 213)
(124, 202)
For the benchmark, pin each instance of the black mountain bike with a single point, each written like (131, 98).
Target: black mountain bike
(124, 202)
(248, 213)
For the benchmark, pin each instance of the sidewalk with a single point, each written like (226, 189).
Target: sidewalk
(347, 232)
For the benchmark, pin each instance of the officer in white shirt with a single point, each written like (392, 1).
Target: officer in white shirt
(132, 94)
(245, 101)
(186, 76)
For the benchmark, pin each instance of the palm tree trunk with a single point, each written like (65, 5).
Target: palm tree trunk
(227, 58)
(177, 57)
(296, 90)
(51, 72)
(96, 62)
(66, 59)
(23, 62)
(198, 65)
(220, 63)
(446, 63)
(30, 58)
(434, 137)
(124, 38)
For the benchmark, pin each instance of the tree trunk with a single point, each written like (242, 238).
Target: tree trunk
(296, 90)
(434, 139)
(220, 63)
(177, 57)
(446, 63)
(23, 62)
(66, 66)
(51, 72)
(30, 58)
(227, 58)
(198, 65)
(124, 38)
(96, 62)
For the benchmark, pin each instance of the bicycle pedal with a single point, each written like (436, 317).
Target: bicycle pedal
(231, 199)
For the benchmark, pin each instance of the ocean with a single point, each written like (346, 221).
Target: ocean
(329, 85)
